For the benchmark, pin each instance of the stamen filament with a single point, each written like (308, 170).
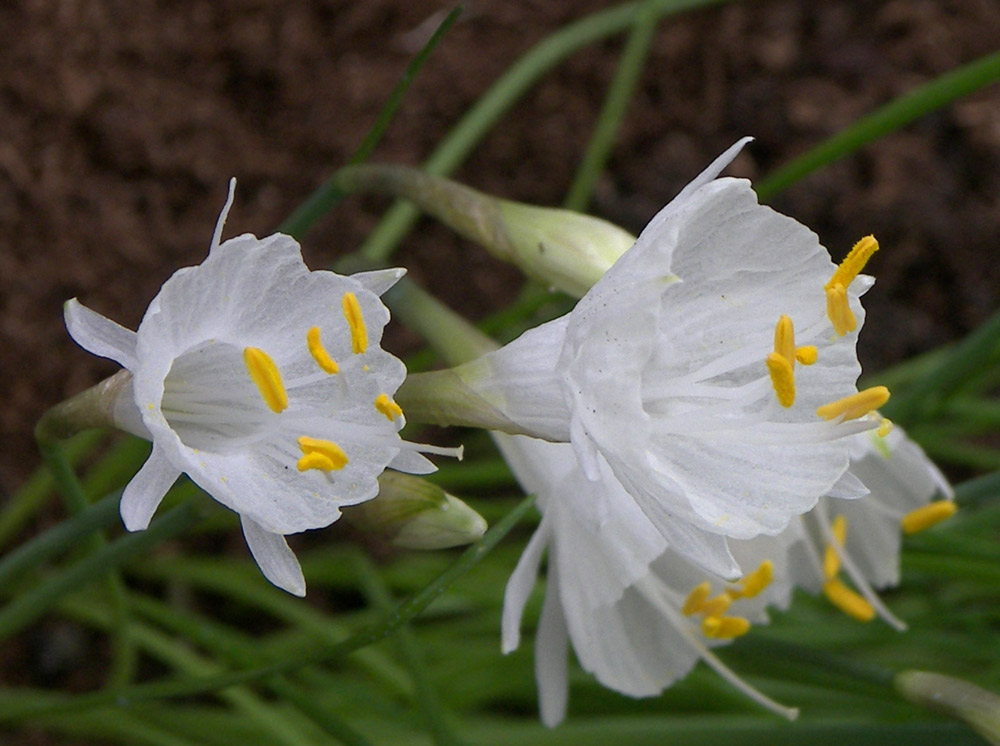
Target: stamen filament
(265, 375)
(359, 333)
(782, 378)
(319, 353)
(388, 407)
(856, 405)
(330, 451)
(848, 601)
(927, 516)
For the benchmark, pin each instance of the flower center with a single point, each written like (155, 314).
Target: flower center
(715, 624)
(211, 402)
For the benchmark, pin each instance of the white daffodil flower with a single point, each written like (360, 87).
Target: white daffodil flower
(860, 540)
(264, 382)
(678, 369)
(638, 614)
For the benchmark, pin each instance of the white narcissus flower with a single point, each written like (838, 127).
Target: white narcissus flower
(264, 382)
(638, 614)
(678, 369)
(860, 540)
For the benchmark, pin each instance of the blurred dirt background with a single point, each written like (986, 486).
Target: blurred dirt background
(121, 121)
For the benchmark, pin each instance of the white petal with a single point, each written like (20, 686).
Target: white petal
(379, 280)
(412, 463)
(520, 379)
(715, 168)
(146, 490)
(519, 586)
(551, 656)
(275, 559)
(100, 335)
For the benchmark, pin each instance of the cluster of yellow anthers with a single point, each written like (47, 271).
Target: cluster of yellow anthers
(324, 455)
(781, 362)
(715, 623)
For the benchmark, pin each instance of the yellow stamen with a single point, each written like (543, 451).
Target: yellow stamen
(782, 378)
(696, 598)
(717, 605)
(884, 427)
(725, 628)
(784, 339)
(359, 334)
(854, 262)
(758, 580)
(848, 601)
(856, 405)
(264, 373)
(839, 529)
(319, 353)
(330, 451)
(316, 460)
(806, 355)
(388, 407)
(927, 516)
(831, 560)
(838, 310)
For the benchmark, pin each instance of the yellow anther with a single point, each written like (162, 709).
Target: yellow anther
(839, 529)
(388, 407)
(758, 580)
(782, 378)
(696, 598)
(831, 559)
(264, 373)
(332, 453)
(848, 601)
(927, 516)
(724, 627)
(806, 355)
(831, 562)
(856, 405)
(784, 339)
(316, 460)
(319, 353)
(717, 605)
(359, 334)
(838, 310)
(854, 262)
(884, 427)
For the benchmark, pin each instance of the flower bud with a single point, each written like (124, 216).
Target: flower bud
(961, 699)
(412, 513)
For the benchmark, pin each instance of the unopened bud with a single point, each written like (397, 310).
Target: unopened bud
(567, 250)
(413, 513)
(976, 706)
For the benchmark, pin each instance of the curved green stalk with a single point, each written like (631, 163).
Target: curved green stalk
(895, 114)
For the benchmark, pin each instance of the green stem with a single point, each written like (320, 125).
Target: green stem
(894, 115)
(406, 611)
(76, 504)
(323, 199)
(630, 68)
(430, 703)
(33, 493)
(519, 78)
(27, 607)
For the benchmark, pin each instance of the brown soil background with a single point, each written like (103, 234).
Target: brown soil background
(120, 123)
